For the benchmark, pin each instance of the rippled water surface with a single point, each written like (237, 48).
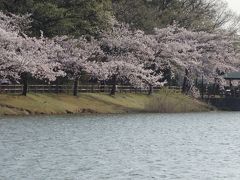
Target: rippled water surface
(142, 146)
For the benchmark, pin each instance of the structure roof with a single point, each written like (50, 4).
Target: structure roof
(232, 76)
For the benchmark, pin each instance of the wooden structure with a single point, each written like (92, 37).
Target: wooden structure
(232, 76)
(231, 90)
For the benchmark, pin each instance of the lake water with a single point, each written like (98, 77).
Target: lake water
(204, 146)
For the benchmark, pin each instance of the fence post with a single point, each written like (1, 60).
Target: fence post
(92, 88)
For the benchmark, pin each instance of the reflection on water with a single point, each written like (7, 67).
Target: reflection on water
(142, 146)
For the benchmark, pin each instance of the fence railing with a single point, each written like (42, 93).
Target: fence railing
(17, 89)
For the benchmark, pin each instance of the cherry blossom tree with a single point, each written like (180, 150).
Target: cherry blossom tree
(201, 53)
(14, 23)
(22, 55)
(127, 54)
(75, 54)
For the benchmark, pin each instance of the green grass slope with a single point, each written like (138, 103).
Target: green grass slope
(165, 101)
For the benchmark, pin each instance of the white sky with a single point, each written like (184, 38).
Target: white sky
(234, 5)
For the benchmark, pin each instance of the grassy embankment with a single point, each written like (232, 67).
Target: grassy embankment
(165, 101)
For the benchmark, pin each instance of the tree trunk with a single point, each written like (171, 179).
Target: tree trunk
(150, 91)
(184, 86)
(214, 87)
(24, 77)
(202, 88)
(75, 87)
(57, 86)
(114, 85)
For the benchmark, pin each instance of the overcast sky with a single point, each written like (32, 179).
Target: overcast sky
(234, 5)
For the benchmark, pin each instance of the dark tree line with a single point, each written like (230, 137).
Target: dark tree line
(78, 17)
(63, 17)
(199, 15)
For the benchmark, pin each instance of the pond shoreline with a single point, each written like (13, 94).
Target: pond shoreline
(96, 103)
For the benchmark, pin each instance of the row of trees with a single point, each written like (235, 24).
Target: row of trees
(81, 17)
(122, 54)
(62, 17)
(197, 15)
